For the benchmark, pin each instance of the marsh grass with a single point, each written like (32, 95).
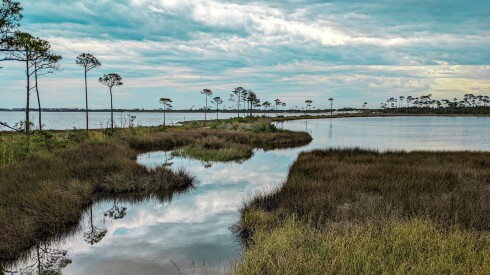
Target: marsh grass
(444, 194)
(47, 181)
(216, 144)
(398, 247)
(42, 195)
(181, 137)
(450, 188)
(215, 149)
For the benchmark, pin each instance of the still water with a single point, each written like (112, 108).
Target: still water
(189, 232)
(101, 120)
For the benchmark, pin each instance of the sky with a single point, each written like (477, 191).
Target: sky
(353, 51)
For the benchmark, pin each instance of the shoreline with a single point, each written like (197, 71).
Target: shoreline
(282, 119)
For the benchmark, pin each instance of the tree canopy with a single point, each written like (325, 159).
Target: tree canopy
(10, 17)
(88, 61)
(111, 80)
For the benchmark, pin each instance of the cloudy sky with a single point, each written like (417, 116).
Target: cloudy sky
(353, 51)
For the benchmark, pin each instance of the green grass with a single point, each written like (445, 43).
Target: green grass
(409, 247)
(218, 152)
(326, 189)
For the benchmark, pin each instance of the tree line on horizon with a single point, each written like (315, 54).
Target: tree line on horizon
(470, 102)
(246, 101)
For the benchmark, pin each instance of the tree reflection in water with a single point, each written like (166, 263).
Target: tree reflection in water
(168, 159)
(48, 258)
(45, 261)
(95, 234)
(115, 212)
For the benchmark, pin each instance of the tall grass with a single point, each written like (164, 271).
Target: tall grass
(179, 137)
(409, 247)
(41, 196)
(217, 145)
(438, 202)
(450, 188)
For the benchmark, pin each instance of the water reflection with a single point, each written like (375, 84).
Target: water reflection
(116, 212)
(100, 223)
(188, 233)
(45, 261)
(101, 120)
(95, 234)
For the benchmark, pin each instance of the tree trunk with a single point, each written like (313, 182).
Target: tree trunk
(164, 118)
(206, 110)
(244, 108)
(112, 112)
(217, 112)
(38, 99)
(27, 126)
(38, 260)
(239, 95)
(86, 102)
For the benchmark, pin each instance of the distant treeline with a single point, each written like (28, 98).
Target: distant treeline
(168, 111)
(425, 104)
(442, 110)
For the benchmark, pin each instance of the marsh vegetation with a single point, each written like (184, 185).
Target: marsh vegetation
(49, 178)
(358, 211)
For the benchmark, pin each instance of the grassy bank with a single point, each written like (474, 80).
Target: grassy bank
(355, 211)
(47, 180)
